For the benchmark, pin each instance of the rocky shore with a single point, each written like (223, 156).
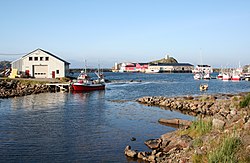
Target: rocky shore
(222, 119)
(13, 88)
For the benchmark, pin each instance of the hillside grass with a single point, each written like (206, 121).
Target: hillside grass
(246, 101)
(226, 150)
(198, 128)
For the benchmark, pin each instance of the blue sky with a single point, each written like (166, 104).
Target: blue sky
(107, 31)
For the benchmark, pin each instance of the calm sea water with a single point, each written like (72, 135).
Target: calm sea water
(94, 126)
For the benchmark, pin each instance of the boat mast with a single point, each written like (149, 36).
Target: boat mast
(85, 67)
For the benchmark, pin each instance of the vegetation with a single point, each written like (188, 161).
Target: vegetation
(226, 151)
(32, 82)
(246, 101)
(165, 60)
(26, 81)
(200, 127)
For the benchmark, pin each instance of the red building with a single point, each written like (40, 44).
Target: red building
(136, 67)
(130, 67)
(142, 67)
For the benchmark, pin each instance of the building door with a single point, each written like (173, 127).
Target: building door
(40, 71)
(53, 74)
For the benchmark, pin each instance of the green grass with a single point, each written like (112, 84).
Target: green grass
(200, 127)
(246, 101)
(226, 151)
(197, 158)
(31, 82)
(197, 142)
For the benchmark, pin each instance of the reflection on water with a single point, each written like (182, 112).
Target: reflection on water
(36, 102)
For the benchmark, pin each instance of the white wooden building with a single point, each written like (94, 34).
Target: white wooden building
(41, 64)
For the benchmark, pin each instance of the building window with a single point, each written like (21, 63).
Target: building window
(36, 58)
(57, 71)
(46, 58)
(41, 58)
(30, 58)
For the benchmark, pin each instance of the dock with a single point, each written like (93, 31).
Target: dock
(59, 86)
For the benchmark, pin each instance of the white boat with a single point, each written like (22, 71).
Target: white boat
(236, 77)
(237, 74)
(197, 76)
(202, 69)
(207, 76)
(247, 76)
(152, 71)
(226, 76)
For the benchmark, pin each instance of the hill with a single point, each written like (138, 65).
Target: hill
(167, 59)
(4, 64)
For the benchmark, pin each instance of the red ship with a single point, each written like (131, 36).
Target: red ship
(84, 82)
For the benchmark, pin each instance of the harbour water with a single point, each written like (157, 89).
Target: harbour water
(95, 126)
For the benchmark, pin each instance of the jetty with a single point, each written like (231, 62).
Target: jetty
(59, 86)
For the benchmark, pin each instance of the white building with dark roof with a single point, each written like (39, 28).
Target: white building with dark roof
(172, 67)
(41, 64)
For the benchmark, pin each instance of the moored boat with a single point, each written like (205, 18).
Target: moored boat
(220, 75)
(204, 87)
(247, 76)
(207, 76)
(197, 76)
(226, 76)
(236, 77)
(84, 82)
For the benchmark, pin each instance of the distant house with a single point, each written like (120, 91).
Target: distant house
(136, 67)
(141, 67)
(131, 67)
(41, 64)
(172, 67)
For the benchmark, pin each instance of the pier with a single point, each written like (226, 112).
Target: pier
(59, 86)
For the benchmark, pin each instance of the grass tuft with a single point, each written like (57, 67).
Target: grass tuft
(246, 101)
(226, 152)
(200, 127)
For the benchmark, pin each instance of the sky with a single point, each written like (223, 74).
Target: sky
(214, 32)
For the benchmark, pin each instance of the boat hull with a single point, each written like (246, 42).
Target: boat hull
(82, 87)
(236, 78)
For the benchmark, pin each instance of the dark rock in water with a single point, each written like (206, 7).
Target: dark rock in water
(133, 139)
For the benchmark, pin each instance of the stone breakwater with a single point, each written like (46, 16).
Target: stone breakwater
(197, 105)
(14, 88)
(222, 111)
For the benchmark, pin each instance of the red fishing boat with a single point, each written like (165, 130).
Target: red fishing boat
(84, 82)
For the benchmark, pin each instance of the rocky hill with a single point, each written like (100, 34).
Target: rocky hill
(167, 59)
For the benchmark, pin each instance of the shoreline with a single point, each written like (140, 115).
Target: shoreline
(219, 116)
(22, 87)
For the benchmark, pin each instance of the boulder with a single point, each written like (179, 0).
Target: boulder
(153, 143)
(130, 153)
(247, 125)
(218, 124)
(175, 121)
